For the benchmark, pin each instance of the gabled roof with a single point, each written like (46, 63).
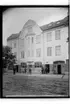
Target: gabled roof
(51, 25)
(13, 36)
(29, 23)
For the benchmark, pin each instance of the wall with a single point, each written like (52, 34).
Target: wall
(33, 46)
(53, 43)
(22, 44)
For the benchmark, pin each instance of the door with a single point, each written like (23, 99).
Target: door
(47, 69)
(59, 69)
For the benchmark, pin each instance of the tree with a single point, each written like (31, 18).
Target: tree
(8, 57)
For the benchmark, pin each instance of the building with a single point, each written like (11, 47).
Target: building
(46, 44)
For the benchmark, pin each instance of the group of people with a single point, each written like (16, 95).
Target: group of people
(16, 69)
(44, 69)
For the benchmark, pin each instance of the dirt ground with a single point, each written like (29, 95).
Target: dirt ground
(26, 85)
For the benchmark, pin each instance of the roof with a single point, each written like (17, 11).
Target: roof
(51, 25)
(13, 36)
(29, 23)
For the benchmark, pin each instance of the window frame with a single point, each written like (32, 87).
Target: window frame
(57, 36)
(37, 52)
(38, 39)
(28, 40)
(29, 29)
(47, 36)
(28, 53)
(32, 53)
(49, 52)
(14, 44)
(15, 53)
(32, 39)
(22, 54)
(57, 53)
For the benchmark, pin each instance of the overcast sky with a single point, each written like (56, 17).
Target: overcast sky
(14, 19)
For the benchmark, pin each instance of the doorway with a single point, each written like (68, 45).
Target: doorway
(47, 68)
(59, 69)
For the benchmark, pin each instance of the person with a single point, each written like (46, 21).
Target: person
(14, 69)
(30, 70)
(42, 70)
(17, 68)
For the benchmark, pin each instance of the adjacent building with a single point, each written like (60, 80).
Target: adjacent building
(47, 44)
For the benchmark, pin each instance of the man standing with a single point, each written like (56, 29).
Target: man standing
(14, 69)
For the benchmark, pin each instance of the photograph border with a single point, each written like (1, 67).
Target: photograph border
(3, 8)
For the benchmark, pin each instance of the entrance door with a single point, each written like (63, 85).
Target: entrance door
(47, 69)
(59, 69)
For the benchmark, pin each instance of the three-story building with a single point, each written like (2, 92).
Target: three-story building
(46, 44)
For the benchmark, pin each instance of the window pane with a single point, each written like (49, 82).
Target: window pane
(32, 39)
(15, 53)
(58, 50)
(22, 54)
(38, 52)
(28, 54)
(14, 44)
(32, 53)
(49, 51)
(28, 40)
(49, 36)
(38, 38)
(29, 29)
(57, 34)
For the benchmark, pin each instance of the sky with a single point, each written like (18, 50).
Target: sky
(15, 18)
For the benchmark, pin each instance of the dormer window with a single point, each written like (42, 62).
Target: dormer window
(58, 22)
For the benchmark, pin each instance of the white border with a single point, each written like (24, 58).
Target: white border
(34, 101)
(34, 2)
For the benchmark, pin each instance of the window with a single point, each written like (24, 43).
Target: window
(49, 51)
(14, 44)
(28, 53)
(15, 53)
(32, 53)
(57, 34)
(21, 42)
(28, 40)
(49, 36)
(57, 50)
(38, 38)
(22, 54)
(38, 52)
(32, 39)
(29, 29)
